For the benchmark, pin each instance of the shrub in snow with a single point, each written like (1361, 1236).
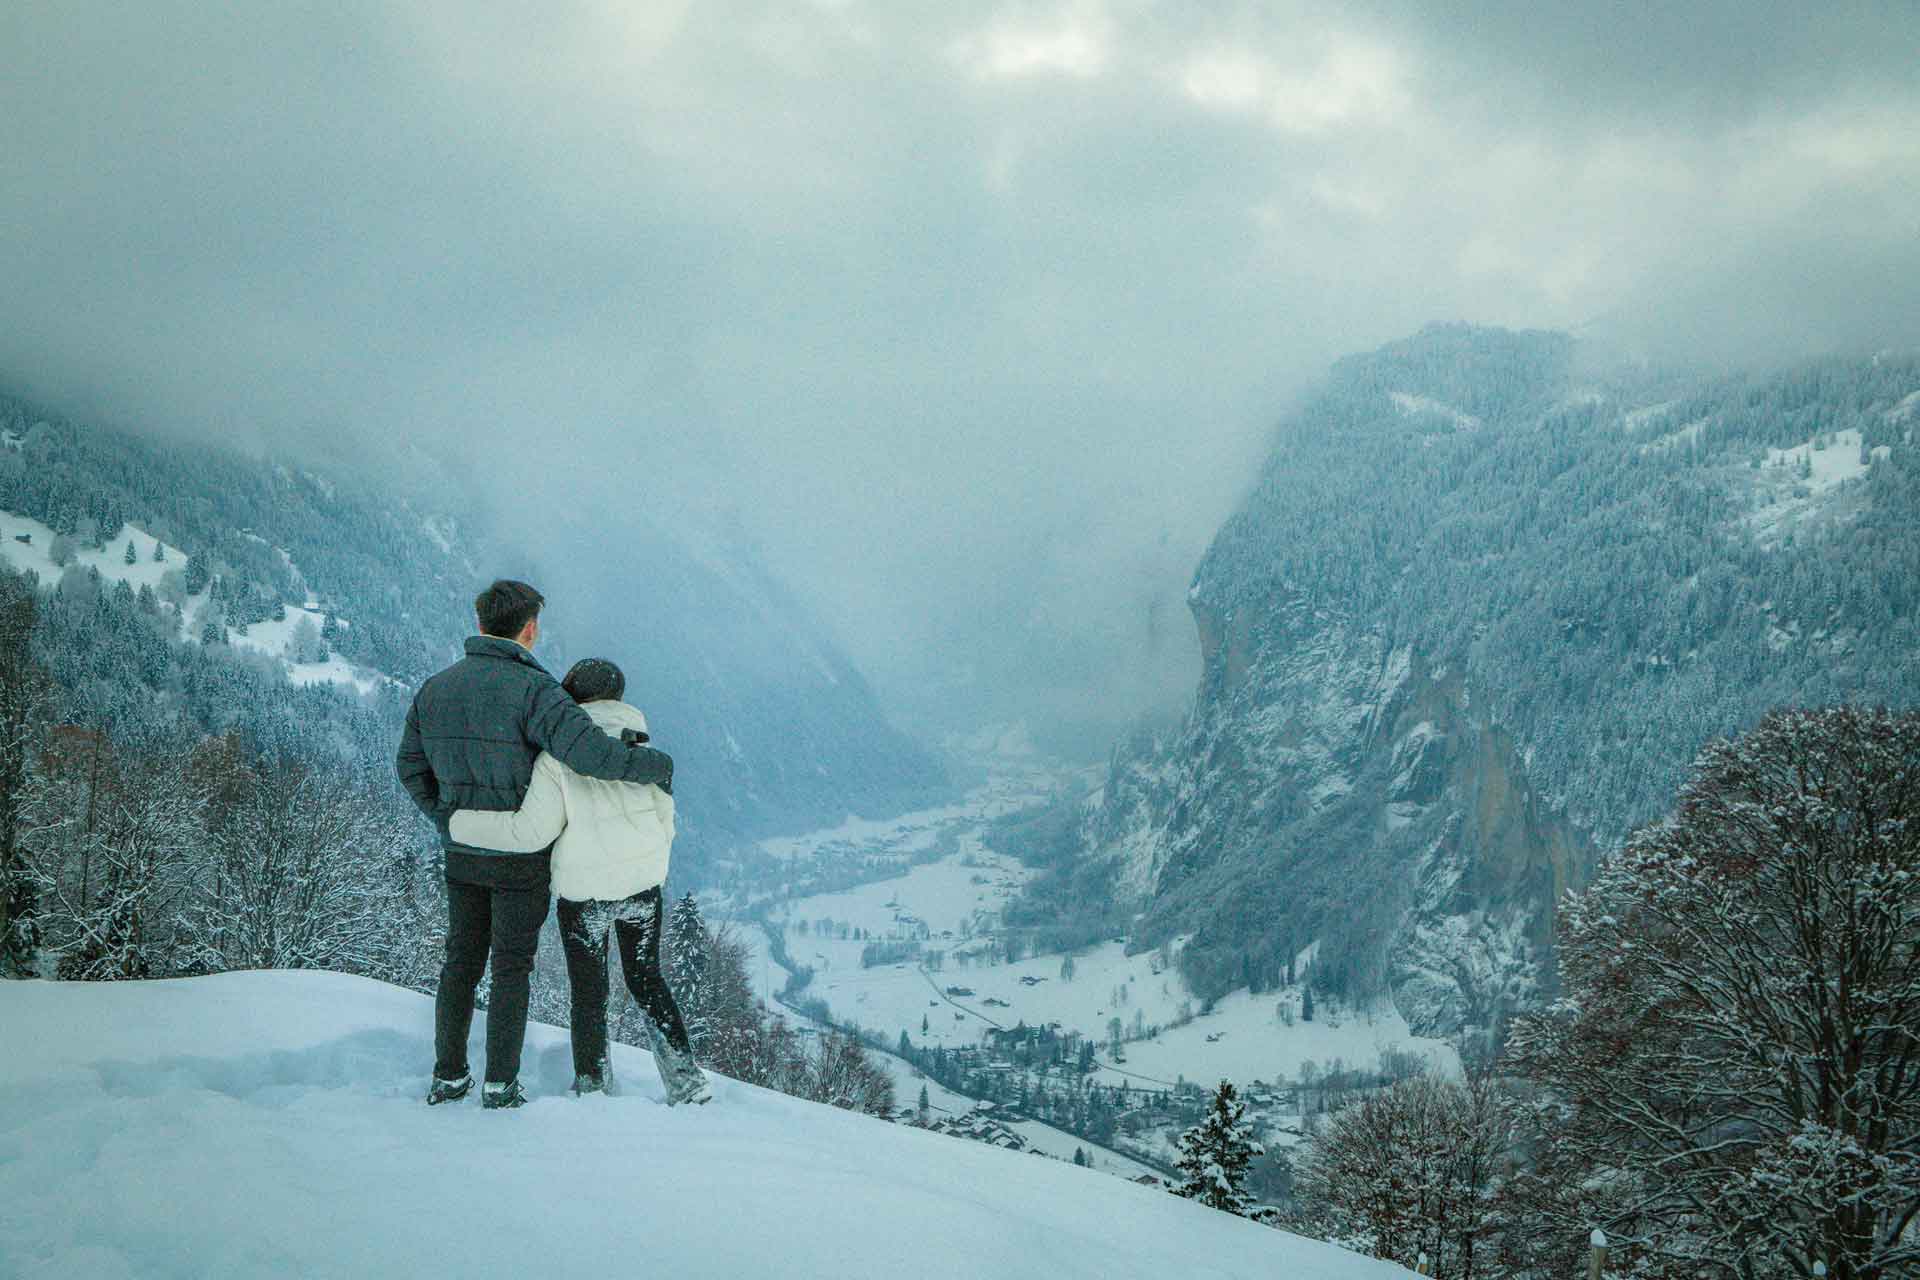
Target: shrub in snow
(1409, 1172)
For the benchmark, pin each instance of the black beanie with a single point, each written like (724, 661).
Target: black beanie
(594, 680)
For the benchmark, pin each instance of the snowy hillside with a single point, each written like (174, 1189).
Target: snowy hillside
(269, 1123)
(26, 547)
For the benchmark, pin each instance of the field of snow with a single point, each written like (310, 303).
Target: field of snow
(1790, 498)
(270, 1123)
(943, 894)
(1835, 464)
(274, 639)
(1008, 788)
(111, 562)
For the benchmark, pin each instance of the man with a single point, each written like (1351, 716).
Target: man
(472, 735)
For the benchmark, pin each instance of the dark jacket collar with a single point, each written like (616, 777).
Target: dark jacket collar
(500, 647)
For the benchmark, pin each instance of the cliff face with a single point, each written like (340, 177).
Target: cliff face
(1471, 626)
(1349, 767)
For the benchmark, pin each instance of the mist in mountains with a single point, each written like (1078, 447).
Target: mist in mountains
(972, 322)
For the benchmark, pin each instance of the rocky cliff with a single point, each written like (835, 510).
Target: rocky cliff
(1469, 627)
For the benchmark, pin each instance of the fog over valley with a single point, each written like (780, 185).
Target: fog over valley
(975, 320)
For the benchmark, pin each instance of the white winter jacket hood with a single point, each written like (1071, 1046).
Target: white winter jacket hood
(613, 838)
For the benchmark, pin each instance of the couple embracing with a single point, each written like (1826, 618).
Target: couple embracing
(538, 787)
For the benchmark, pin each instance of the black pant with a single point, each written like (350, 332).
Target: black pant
(584, 927)
(507, 922)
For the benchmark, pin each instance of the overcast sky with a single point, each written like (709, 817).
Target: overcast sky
(974, 316)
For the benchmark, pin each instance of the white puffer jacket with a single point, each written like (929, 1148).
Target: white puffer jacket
(614, 838)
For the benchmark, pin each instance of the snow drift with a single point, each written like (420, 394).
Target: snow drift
(270, 1123)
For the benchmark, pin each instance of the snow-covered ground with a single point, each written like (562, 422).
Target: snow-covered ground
(274, 639)
(1016, 785)
(1798, 485)
(270, 1123)
(34, 556)
(1415, 406)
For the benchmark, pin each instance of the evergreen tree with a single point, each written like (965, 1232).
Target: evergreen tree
(1214, 1155)
(132, 556)
(1306, 1004)
(159, 551)
(197, 575)
(924, 1105)
(688, 946)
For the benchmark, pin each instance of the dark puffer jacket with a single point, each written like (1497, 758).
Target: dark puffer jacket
(472, 735)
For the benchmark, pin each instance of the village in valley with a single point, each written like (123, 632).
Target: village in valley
(896, 931)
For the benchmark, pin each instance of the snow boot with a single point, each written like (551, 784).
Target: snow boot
(684, 1081)
(449, 1090)
(599, 1080)
(503, 1097)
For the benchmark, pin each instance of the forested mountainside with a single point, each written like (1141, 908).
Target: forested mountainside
(189, 590)
(1471, 624)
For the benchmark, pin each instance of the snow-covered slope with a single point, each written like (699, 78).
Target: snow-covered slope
(26, 546)
(270, 1124)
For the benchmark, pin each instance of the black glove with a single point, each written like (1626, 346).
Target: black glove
(640, 738)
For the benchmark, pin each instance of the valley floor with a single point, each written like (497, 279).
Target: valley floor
(958, 988)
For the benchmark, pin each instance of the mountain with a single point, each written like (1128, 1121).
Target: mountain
(299, 606)
(271, 1123)
(1477, 613)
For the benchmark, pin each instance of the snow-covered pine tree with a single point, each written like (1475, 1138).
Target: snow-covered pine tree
(1214, 1155)
(132, 556)
(159, 551)
(686, 967)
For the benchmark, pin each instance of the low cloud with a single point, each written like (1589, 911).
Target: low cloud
(975, 319)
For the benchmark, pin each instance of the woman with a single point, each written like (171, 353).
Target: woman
(611, 842)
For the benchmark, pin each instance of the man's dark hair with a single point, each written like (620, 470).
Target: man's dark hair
(595, 680)
(506, 607)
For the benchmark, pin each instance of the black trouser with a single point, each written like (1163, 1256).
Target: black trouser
(635, 921)
(482, 918)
